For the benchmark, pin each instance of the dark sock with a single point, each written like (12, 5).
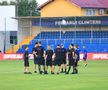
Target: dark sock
(35, 71)
(45, 72)
(69, 69)
(62, 70)
(52, 72)
(44, 68)
(76, 71)
(39, 69)
(57, 72)
(29, 73)
(25, 72)
(65, 69)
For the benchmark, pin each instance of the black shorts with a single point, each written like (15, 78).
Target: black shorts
(63, 60)
(41, 61)
(49, 63)
(75, 64)
(53, 62)
(85, 58)
(26, 63)
(71, 62)
(35, 61)
(57, 62)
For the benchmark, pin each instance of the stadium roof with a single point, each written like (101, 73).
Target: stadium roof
(26, 17)
(104, 2)
(38, 17)
(83, 3)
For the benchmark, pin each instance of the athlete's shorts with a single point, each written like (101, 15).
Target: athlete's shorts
(63, 60)
(75, 64)
(71, 62)
(41, 61)
(57, 62)
(49, 63)
(35, 61)
(26, 63)
(85, 58)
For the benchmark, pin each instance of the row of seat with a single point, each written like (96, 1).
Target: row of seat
(91, 46)
(72, 34)
(98, 42)
(77, 41)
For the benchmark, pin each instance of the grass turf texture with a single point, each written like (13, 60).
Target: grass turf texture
(92, 77)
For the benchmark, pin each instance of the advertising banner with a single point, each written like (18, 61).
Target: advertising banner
(90, 56)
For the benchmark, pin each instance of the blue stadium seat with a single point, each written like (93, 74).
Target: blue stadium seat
(98, 42)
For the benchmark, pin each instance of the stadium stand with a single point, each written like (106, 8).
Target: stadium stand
(95, 41)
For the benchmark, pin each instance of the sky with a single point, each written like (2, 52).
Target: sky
(41, 1)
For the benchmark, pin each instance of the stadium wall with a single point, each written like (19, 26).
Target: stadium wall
(7, 25)
(23, 29)
(1, 41)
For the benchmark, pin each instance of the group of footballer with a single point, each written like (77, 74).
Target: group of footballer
(64, 59)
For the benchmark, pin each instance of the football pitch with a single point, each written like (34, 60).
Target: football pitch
(92, 77)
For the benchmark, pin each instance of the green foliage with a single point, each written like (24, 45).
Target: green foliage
(24, 7)
(33, 8)
(4, 3)
(27, 8)
(12, 2)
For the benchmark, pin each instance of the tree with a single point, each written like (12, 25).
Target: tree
(33, 8)
(22, 8)
(27, 8)
(12, 2)
(0, 3)
(4, 3)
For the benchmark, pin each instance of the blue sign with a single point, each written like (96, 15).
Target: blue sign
(71, 21)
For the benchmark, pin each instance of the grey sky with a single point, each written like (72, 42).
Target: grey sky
(41, 1)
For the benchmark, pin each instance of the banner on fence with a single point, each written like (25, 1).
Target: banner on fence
(90, 56)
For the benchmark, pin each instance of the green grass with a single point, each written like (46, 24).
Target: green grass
(92, 77)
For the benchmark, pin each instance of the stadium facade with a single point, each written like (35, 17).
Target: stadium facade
(8, 27)
(83, 22)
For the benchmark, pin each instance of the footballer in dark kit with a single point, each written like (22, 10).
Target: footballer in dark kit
(57, 59)
(35, 56)
(48, 56)
(85, 56)
(76, 59)
(40, 57)
(63, 58)
(70, 57)
(26, 61)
